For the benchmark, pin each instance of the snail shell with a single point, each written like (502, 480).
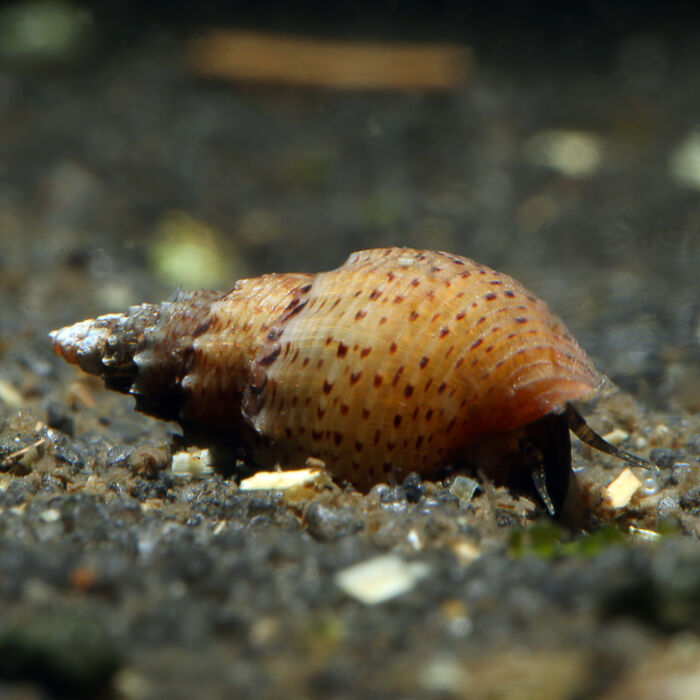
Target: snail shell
(400, 360)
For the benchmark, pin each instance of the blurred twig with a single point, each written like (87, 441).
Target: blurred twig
(256, 57)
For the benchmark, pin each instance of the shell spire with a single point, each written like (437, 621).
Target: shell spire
(143, 351)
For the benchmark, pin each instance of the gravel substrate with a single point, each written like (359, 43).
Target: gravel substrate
(120, 578)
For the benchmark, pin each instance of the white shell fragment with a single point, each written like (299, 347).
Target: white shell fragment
(616, 436)
(464, 489)
(645, 535)
(281, 481)
(193, 463)
(380, 579)
(684, 163)
(620, 491)
(572, 153)
(9, 395)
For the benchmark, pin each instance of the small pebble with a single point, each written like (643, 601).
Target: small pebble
(572, 153)
(661, 431)
(691, 501)
(693, 444)
(413, 487)
(684, 163)
(50, 515)
(443, 675)
(326, 524)
(464, 489)
(679, 473)
(663, 457)
(393, 498)
(10, 396)
(58, 416)
(465, 551)
(666, 506)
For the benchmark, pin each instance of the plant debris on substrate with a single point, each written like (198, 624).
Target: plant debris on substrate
(105, 546)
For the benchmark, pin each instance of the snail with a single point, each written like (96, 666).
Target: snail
(399, 360)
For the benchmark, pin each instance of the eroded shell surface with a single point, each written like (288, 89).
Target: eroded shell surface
(399, 360)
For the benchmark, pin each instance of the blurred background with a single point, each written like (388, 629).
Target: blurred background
(146, 146)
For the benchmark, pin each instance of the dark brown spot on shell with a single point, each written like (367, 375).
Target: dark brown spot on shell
(355, 377)
(490, 296)
(397, 420)
(393, 348)
(270, 357)
(476, 343)
(408, 391)
(443, 332)
(423, 362)
(342, 350)
(327, 386)
(375, 294)
(413, 316)
(360, 315)
(364, 352)
(344, 409)
(378, 379)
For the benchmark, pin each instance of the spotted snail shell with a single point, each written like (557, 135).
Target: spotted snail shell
(400, 360)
